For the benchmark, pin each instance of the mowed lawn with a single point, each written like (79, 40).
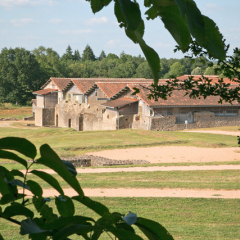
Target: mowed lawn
(68, 142)
(185, 219)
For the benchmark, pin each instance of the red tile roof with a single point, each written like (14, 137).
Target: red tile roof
(178, 99)
(45, 91)
(214, 78)
(61, 83)
(112, 88)
(120, 102)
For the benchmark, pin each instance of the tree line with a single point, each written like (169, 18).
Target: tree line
(23, 71)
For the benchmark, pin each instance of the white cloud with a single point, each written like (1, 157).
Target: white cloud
(12, 3)
(22, 21)
(2, 21)
(93, 21)
(77, 31)
(208, 8)
(112, 43)
(28, 37)
(235, 29)
(55, 21)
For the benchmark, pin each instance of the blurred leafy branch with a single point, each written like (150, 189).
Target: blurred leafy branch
(44, 222)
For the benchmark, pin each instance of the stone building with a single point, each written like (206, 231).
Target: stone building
(108, 104)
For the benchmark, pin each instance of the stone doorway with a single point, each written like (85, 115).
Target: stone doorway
(69, 123)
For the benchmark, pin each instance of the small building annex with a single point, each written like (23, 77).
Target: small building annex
(108, 104)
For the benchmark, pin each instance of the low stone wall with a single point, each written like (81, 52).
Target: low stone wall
(8, 119)
(95, 161)
(31, 118)
(167, 123)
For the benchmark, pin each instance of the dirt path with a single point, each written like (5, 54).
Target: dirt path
(215, 132)
(151, 169)
(173, 154)
(149, 192)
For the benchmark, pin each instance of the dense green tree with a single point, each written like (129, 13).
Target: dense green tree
(20, 75)
(88, 54)
(197, 71)
(212, 70)
(143, 71)
(68, 55)
(102, 55)
(112, 56)
(76, 56)
(49, 61)
(176, 70)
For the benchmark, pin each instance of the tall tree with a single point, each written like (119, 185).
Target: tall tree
(102, 55)
(20, 75)
(68, 55)
(76, 56)
(88, 54)
(176, 70)
(197, 71)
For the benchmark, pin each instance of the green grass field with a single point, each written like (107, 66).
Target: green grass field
(186, 219)
(68, 142)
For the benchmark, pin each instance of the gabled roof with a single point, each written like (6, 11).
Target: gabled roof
(45, 91)
(178, 98)
(120, 102)
(60, 83)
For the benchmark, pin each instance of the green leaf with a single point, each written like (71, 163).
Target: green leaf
(16, 182)
(123, 234)
(35, 188)
(131, 12)
(151, 56)
(73, 229)
(130, 219)
(132, 34)
(96, 234)
(15, 172)
(7, 198)
(195, 21)
(50, 159)
(3, 187)
(65, 206)
(214, 40)
(96, 5)
(105, 2)
(29, 226)
(21, 145)
(153, 230)
(49, 179)
(119, 14)
(176, 24)
(13, 156)
(151, 13)
(70, 168)
(1, 237)
(16, 210)
(97, 207)
(182, 6)
(63, 221)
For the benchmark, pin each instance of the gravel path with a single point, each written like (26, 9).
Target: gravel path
(149, 192)
(215, 132)
(172, 154)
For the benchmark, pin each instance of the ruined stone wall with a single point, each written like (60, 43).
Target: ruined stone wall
(140, 122)
(48, 116)
(125, 121)
(201, 120)
(44, 116)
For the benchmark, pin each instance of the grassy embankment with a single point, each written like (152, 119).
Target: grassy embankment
(8, 110)
(186, 219)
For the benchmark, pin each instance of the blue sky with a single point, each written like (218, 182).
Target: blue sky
(57, 24)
